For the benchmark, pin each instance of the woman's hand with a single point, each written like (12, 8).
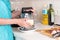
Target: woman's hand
(20, 22)
(23, 22)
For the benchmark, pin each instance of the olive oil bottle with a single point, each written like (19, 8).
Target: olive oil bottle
(50, 15)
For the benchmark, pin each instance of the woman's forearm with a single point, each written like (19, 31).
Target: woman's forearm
(8, 21)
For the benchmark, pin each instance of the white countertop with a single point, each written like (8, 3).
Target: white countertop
(32, 35)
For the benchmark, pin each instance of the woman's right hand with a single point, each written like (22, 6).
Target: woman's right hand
(22, 22)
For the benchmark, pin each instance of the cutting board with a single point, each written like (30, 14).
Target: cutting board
(48, 31)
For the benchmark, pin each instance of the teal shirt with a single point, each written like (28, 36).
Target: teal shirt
(5, 12)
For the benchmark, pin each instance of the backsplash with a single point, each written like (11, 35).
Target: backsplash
(38, 5)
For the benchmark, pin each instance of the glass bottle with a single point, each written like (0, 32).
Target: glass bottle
(50, 15)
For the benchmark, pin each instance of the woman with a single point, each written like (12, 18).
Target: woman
(5, 21)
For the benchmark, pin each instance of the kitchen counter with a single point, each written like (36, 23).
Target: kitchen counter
(32, 35)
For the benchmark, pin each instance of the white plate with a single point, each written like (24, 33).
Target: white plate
(26, 30)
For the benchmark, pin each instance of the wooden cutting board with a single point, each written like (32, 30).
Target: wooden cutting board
(48, 31)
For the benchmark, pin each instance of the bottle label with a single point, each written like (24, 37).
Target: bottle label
(52, 16)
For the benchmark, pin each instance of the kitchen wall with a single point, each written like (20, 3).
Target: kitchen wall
(38, 5)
